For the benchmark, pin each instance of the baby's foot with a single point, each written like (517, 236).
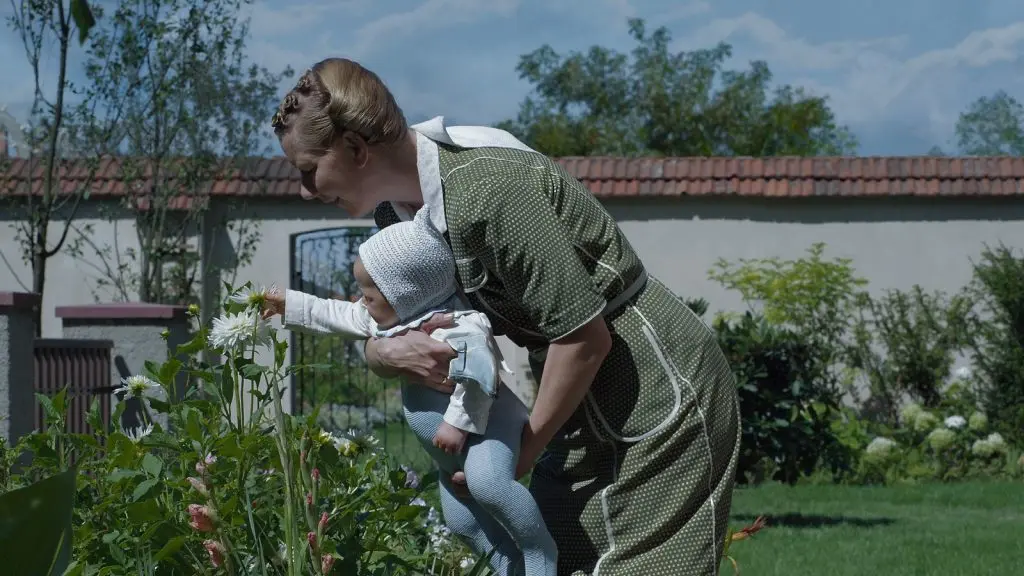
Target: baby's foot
(449, 438)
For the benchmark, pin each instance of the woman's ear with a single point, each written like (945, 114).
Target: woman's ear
(355, 147)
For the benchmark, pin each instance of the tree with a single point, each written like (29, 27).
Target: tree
(43, 200)
(655, 102)
(992, 126)
(190, 111)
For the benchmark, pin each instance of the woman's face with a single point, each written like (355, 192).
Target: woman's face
(338, 176)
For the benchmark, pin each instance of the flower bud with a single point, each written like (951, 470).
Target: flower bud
(326, 564)
(311, 538)
(203, 518)
(216, 551)
(322, 525)
(199, 486)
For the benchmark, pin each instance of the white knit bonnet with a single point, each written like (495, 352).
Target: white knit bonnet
(412, 266)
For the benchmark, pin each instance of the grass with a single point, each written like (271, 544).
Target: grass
(965, 529)
(969, 529)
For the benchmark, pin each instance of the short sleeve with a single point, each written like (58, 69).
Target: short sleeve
(516, 232)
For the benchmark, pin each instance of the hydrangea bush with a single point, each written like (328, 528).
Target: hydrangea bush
(215, 478)
(938, 446)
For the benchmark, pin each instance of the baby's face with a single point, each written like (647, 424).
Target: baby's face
(381, 312)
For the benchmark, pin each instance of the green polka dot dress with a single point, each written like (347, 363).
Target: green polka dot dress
(639, 481)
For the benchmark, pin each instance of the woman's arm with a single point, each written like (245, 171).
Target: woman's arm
(571, 365)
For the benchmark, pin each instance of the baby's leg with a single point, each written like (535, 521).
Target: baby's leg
(475, 526)
(490, 474)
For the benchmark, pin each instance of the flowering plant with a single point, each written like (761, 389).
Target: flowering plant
(939, 444)
(214, 477)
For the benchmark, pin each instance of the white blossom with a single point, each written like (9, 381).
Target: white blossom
(881, 446)
(941, 438)
(978, 422)
(881, 450)
(955, 422)
(139, 387)
(989, 446)
(232, 331)
(137, 433)
(963, 373)
(252, 297)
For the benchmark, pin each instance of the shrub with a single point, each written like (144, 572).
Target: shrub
(813, 297)
(905, 343)
(786, 430)
(935, 445)
(232, 483)
(997, 338)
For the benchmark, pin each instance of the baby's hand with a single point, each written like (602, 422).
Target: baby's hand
(449, 438)
(273, 304)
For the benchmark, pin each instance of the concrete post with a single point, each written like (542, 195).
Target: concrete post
(137, 331)
(17, 364)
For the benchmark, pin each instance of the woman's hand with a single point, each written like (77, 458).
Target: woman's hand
(415, 356)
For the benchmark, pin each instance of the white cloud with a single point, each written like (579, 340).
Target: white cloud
(868, 81)
(430, 16)
(780, 49)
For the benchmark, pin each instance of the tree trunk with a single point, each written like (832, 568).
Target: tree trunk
(39, 275)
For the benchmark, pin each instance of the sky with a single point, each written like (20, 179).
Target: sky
(897, 72)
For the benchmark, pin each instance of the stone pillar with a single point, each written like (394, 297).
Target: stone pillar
(137, 331)
(17, 364)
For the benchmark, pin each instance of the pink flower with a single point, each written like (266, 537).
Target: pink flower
(326, 563)
(203, 465)
(216, 551)
(203, 518)
(309, 499)
(315, 474)
(323, 523)
(199, 486)
(311, 537)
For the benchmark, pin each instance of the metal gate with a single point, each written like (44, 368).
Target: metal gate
(348, 394)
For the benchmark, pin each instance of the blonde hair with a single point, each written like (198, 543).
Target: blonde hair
(338, 95)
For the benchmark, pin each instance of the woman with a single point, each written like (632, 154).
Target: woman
(635, 422)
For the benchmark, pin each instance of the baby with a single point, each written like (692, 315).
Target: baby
(406, 273)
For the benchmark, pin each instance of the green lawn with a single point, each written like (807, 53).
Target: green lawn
(935, 530)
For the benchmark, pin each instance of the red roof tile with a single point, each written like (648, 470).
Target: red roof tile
(609, 177)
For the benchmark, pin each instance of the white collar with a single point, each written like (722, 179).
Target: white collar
(429, 168)
(428, 134)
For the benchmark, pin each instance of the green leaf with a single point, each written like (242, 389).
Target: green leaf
(196, 344)
(84, 20)
(37, 518)
(193, 428)
(172, 546)
(145, 489)
(152, 465)
(153, 369)
(47, 405)
(60, 401)
(169, 371)
(405, 513)
(144, 511)
(254, 371)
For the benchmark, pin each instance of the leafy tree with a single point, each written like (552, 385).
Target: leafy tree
(992, 126)
(190, 110)
(655, 102)
(44, 214)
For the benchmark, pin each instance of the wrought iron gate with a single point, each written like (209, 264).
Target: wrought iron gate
(348, 394)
